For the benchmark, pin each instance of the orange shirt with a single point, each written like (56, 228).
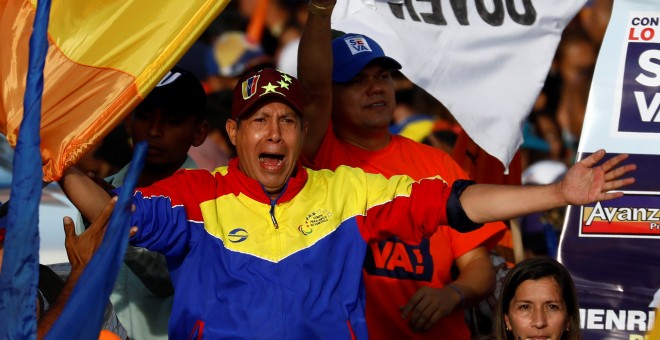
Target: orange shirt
(393, 270)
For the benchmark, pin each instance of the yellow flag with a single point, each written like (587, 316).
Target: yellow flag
(103, 58)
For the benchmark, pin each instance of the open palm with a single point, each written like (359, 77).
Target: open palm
(586, 183)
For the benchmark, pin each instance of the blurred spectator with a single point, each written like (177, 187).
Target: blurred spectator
(236, 55)
(594, 17)
(281, 19)
(200, 61)
(542, 139)
(443, 137)
(111, 154)
(407, 120)
(287, 59)
(576, 59)
(419, 116)
(216, 149)
(540, 231)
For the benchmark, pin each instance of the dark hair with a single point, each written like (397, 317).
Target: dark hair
(535, 269)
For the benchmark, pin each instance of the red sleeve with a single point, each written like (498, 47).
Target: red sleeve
(408, 217)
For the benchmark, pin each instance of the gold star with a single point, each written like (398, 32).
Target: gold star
(269, 88)
(286, 78)
(283, 84)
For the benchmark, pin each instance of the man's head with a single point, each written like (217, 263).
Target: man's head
(267, 127)
(171, 119)
(363, 90)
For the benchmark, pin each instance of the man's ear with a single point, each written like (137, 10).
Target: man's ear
(231, 126)
(201, 132)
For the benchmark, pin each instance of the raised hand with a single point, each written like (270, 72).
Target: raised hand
(81, 248)
(586, 183)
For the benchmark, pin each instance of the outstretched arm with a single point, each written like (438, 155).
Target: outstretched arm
(315, 73)
(584, 183)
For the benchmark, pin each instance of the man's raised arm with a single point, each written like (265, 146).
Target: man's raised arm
(315, 73)
(88, 197)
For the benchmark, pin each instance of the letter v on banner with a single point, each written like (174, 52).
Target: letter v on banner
(607, 244)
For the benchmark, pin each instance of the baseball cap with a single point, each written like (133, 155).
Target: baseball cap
(236, 55)
(179, 92)
(352, 52)
(259, 86)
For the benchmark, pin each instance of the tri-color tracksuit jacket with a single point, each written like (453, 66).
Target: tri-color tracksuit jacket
(246, 266)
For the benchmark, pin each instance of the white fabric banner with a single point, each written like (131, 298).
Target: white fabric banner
(486, 61)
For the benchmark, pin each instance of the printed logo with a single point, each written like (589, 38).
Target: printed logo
(249, 87)
(357, 44)
(396, 259)
(237, 235)
(313, 220)
(640, 91)
(305, 230)
(639, 217)
(169, 78)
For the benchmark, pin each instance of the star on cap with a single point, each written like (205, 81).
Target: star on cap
(286, 78)
(269, 88)
(283, 84)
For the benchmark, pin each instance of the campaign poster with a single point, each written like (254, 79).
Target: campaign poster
(612, 248)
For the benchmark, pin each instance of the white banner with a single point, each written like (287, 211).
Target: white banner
(486, 61)
(622, 111)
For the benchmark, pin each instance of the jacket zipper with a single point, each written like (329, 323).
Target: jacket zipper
(273, 202)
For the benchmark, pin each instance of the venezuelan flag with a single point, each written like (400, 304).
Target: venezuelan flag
(103, 57)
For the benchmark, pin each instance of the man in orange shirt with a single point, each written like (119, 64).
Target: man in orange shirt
(401, 280)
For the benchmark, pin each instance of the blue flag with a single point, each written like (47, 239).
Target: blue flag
(20, 265)
(91, 294)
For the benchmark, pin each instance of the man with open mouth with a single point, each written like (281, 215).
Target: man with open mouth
(265, 248)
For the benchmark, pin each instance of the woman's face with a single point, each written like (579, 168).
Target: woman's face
(537, 311)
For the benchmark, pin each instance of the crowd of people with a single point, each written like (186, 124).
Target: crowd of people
(240, 267)
(294, 189)
(229, 48)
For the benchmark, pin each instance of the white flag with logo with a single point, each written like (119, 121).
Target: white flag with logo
(486, 61)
